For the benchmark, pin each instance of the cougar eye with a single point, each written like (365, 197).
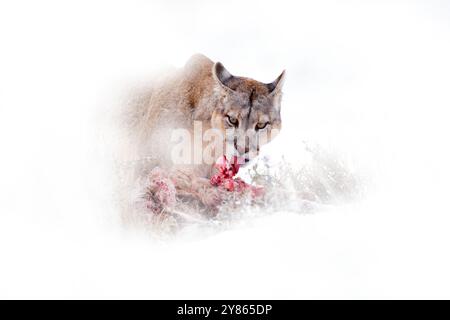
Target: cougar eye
(232, 120)
(261, 125)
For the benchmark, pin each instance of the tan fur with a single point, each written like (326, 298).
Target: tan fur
(194, 93)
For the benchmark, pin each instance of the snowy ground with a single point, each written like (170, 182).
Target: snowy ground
(366, 81)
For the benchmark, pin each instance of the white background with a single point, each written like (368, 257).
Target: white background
(370, 79)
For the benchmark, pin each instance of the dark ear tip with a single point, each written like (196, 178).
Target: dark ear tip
(218, 67)
(221, 73)
(278, 83)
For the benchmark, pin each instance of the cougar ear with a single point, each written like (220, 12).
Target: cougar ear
(277, 85)
(221, 74)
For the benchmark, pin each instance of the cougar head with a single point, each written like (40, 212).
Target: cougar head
(247, 112)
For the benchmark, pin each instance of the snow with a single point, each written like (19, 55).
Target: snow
(367, 82)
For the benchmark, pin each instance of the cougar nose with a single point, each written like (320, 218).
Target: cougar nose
(242, 146)
(242, 150)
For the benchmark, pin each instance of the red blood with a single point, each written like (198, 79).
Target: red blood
(226, 170)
